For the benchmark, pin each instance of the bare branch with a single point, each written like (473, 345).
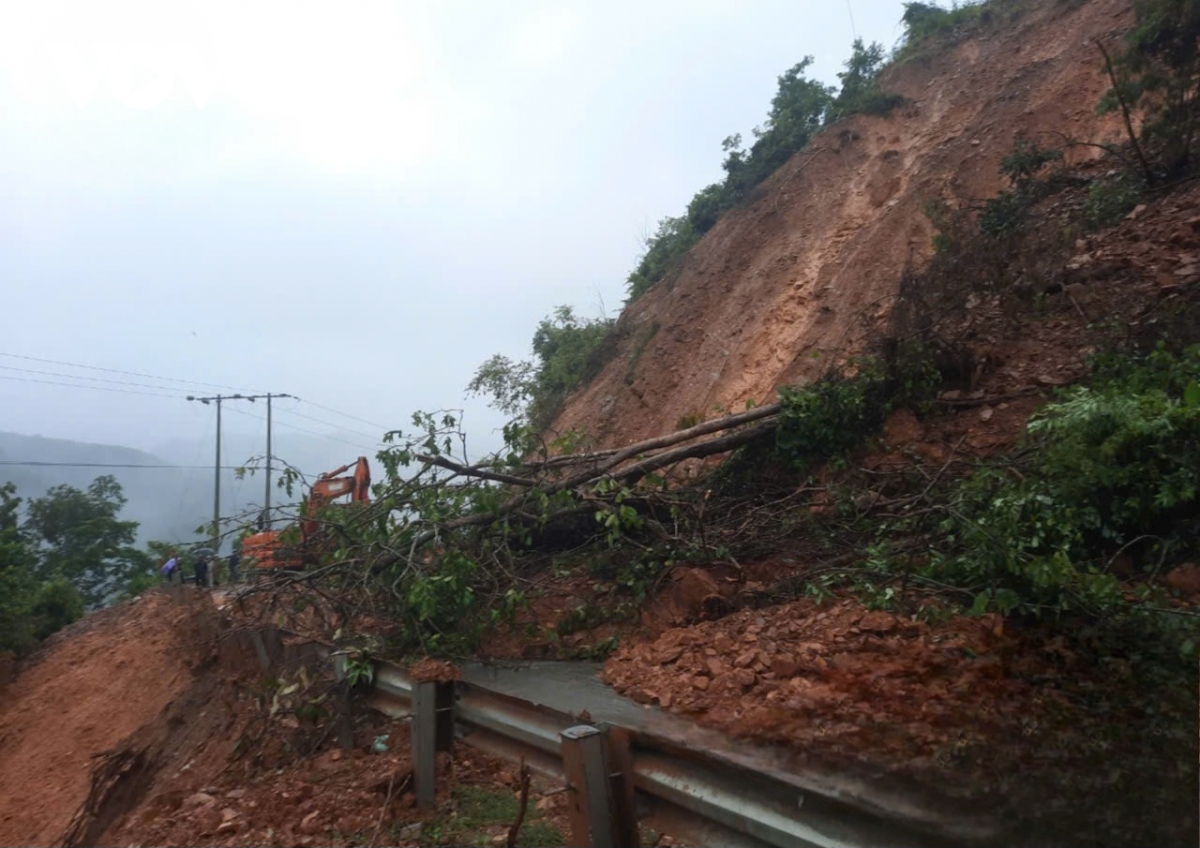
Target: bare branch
(477, 471)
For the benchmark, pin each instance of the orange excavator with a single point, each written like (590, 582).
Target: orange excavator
(268, 549)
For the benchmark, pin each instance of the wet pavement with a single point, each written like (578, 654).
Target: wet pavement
(573, 687)
(569, 687)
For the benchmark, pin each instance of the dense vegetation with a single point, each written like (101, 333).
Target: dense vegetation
(925, 22)
(800, 108)
(569, 351)
(71, 552)
(1105, 487)
(1102, 495)
(830, 417)
(1108, 478)
(1158, 74)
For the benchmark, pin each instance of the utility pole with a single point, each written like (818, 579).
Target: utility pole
(216, 522)
(217, 485)
(267, 493)
(216, 525)
(267, 498)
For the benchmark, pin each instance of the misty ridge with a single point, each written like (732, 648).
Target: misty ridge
(169, 503)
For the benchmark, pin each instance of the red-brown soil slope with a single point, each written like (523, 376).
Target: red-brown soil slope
(152, 723)
(781, 286)
(93, 684)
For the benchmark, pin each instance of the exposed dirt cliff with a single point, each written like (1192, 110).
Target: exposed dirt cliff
(152, 723)
(805, 271)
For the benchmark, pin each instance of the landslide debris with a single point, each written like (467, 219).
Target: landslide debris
(1068, 730)
(1069, 748)
(805, 272)
(153, 723)
(87, 688)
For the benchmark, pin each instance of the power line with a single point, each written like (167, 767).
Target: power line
(80, 377)
(85, 386)
(357, 445)
(46, 464)
(327, 436)
(118, 371)
(159, 390)
(302, 429)
(247, 414)
(328, 424)
(30, 463)
(382, 427)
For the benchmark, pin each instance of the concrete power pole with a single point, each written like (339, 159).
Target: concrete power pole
(267, 497)
(216, 524)
(267, 493)
(216, 531)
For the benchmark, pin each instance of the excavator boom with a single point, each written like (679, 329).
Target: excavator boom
(266, 548)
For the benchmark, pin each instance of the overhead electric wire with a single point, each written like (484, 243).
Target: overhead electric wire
(301, 429)
(326, 423)
(327, 436)
(37, 463)
(119, 371)
(80, 377)
(263, 418)
(166, 391)
(343, 412)
(85, 386)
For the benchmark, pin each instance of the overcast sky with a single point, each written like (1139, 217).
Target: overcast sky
(355, 203)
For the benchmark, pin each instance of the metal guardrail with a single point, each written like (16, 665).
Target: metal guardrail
(700, 796)
(693, 794)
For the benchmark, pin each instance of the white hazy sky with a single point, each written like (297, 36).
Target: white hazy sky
(357, 202)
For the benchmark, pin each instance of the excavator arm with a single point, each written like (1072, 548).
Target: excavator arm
(266, 547)
(330, 486)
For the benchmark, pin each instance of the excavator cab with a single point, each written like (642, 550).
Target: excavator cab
(268, 548)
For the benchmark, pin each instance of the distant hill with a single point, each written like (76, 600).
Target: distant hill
(169, 503)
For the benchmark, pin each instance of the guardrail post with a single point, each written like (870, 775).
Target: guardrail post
(260, 648)
(598, 814)
(432, 731)
(342, 704)
(345, 716)
(620, 769)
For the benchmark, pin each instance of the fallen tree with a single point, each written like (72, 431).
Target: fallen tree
(448, 537)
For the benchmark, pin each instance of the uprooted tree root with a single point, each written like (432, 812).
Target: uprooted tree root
(117, 780)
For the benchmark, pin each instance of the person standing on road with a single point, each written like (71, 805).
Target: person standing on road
(204, 557)
(234, 560)
(202, 571)
(170, 568)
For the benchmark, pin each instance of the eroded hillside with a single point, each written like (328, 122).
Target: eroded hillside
(806, 271)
